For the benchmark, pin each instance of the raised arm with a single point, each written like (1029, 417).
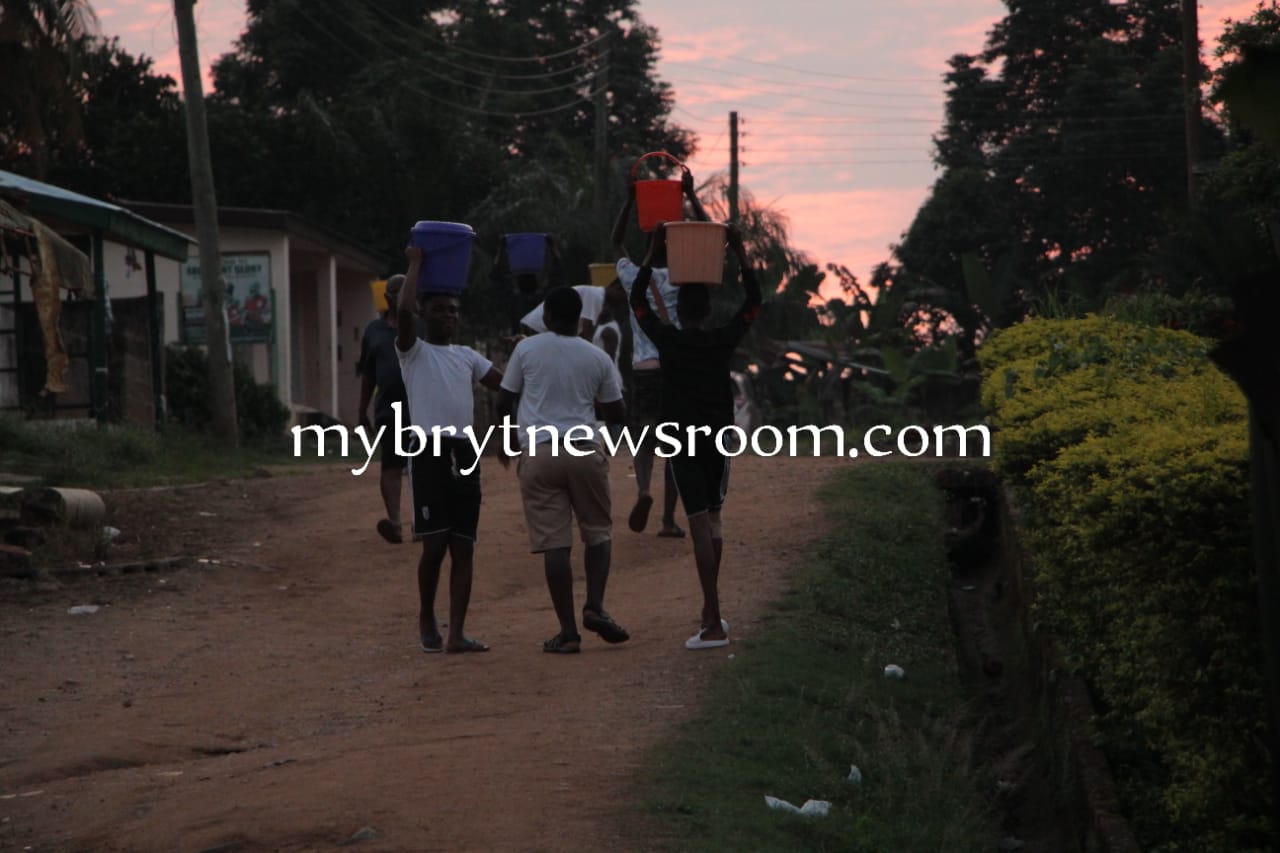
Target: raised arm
(649, 323)
(407, 332)
(751, 287)
(620, 224)
(686, 184)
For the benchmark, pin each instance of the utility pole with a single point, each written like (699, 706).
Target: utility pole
(1191, 93)
(731, 268)
(733, 167)
(204, 206)
(601, 82)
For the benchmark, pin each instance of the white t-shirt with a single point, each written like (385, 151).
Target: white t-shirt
(592, 305)
(642, 349)
(559, 378)
(438, 381)
(598, 338)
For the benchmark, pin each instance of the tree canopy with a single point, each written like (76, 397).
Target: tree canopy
(1063, 160)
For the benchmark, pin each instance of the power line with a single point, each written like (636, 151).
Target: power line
(737, 75)
(825, 73)
(488, 89)
(521, 114)
(410, 46)
(1044, 160)
(495, 58)
(404, 40)
(1085, 107)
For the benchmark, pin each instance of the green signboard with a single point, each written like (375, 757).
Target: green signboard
(249, 301)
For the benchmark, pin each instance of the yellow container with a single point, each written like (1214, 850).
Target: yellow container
(379, 289)
(602, 274)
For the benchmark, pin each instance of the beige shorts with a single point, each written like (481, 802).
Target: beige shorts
(558, 488)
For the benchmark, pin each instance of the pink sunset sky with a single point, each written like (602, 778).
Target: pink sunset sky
(838, 100)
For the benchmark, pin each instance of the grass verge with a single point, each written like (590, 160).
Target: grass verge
(806, 697)
(88, 455)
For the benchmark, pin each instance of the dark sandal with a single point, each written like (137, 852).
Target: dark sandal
(390, 531)
(602, 623)
(466, 646)
(563, 644)
(639, 517)
(432, 643)
(675, 531)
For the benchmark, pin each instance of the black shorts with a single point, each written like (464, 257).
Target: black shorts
(443, 498)
(646, 399)
(702, 480)
(387, 445)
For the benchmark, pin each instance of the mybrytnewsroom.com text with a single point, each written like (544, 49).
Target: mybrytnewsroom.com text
(671, 440)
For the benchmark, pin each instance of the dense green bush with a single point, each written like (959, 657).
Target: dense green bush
(259, 412)
(1132, 451)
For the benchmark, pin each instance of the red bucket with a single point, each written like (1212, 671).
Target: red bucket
(658, 200)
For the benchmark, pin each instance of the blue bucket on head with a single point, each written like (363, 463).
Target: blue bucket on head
(446, 255)
(526, 252)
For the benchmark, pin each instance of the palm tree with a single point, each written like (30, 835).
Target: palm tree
(40, 47)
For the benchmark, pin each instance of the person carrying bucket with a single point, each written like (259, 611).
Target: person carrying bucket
(522, 263)
(646, 379)
(696, 392)
(444, 476)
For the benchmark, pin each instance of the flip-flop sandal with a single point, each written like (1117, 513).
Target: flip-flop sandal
(639, 517)
(432, 644)
(672, 532)
(390, 531)
(602, 623)
(563, 644)
(696, 642)
(466, 646)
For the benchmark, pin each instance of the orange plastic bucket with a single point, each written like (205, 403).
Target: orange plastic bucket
(658, 200)
(695, 252)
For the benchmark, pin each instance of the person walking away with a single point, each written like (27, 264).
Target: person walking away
(562, 382)
(695, 361)
(646, 378)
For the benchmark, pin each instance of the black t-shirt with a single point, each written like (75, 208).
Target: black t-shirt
(696, 387)
(378, 362)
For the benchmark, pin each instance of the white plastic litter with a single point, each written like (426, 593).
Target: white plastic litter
(894, 671)
(82, 609)
(109, 533)
(855, 775)
(811, 808)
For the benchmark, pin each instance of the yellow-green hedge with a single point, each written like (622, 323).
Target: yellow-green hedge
(1132, 450)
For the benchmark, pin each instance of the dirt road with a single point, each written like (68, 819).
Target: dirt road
(277, 700)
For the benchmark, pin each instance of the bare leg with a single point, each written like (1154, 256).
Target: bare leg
(644, 462)
(670, 496)
(597, 559)
(639, 517)
(704, 554)
(434, 547)
(390, 484)
(461, 552)
(559, 574)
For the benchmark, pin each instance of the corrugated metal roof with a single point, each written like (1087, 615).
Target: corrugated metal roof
(118, 224)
